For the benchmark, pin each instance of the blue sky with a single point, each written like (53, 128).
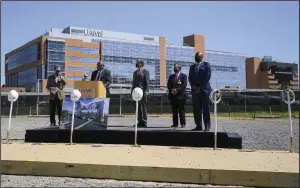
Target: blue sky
(250, 28)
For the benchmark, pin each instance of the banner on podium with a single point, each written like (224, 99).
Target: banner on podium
(90, 113)
(87, 92)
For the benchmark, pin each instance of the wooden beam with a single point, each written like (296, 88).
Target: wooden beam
(150, 163)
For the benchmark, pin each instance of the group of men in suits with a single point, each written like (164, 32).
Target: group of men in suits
(199, 76)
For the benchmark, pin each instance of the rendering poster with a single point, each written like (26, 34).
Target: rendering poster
(90, 113)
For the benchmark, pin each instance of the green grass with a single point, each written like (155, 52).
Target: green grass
(259, 114)
(247, 114)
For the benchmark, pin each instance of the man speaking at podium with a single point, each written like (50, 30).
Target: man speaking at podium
(102, 75)
(141, 79)
(56, 84)
(199, 76)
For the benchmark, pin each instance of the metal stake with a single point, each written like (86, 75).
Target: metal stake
(136, 122)
(216, 120)
(9, 121)
(72, 125)
(290, 122)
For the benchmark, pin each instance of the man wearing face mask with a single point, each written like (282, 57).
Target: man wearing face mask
(199, 76)
(177, 94)
(103, 75)
(56, 84)
(141, 79)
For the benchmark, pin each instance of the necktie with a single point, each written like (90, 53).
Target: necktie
(176, 79)
(197, 67)
(98, 76)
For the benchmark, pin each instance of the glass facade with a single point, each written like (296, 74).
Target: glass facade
(55, 55)
(227, 69)
(27, 55)
(84, 50)
(181, 55)
(28, 78)
(11, 80)
(120, 57)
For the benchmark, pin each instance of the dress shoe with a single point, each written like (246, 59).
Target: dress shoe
(183, 126)
(52, 124)
(206, 129)
(174, 126)
(140, 125)
(197, 129)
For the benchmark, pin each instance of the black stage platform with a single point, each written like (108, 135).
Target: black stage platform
(146, 136)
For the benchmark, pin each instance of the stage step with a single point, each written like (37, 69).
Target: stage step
(146, 136)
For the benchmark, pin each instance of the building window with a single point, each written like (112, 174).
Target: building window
(55, 55)
(84, 60)
(119, 57)
(28, 55)
(227, 69)
(28, 79)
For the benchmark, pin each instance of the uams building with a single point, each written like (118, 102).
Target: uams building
(77, 50)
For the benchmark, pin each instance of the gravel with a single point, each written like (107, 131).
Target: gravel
(259, 134)
(34, 181)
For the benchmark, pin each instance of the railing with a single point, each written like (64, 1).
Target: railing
(247, 103)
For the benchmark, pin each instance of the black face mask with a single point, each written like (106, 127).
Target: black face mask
(198, 59)
(176, 70)
(57, 72)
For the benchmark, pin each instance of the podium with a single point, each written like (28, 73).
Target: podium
(90, 89)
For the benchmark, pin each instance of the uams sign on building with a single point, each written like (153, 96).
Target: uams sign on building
(93, 33)
(113, 35)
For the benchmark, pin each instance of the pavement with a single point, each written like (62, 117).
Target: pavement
(258, 134)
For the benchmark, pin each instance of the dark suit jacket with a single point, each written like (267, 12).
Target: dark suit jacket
(141, 80)
(105, 77)
(51, 83)
(179, 85)
(202, 78)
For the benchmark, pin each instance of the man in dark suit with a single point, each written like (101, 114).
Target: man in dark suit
(141, 79)
(56, 84)
(177, 87)
(103, 75)
(199, 76)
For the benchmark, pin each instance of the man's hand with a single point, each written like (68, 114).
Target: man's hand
(174, 91)
(197, 89)
(54, 90)
(146, 93)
